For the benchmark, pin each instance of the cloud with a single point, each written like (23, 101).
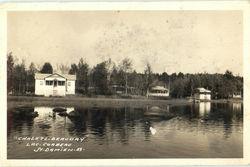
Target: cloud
(171, 41)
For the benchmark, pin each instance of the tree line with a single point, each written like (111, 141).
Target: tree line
(102, 78)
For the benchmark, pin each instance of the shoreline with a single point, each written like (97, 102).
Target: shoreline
(101, 101)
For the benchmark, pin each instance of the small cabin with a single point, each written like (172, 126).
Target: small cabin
(158, 91)
(237, 95)
(117, 89)
(54, 84)
(202, 94)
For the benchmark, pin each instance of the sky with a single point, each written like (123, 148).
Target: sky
(171, 41)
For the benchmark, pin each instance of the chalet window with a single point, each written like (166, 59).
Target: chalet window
(49, 82)
(69, 83)
(61, 83)
(41, 82)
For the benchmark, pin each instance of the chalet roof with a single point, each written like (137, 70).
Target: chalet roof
(203, 90)
(43, 76)
(159, 88)
(69, 77)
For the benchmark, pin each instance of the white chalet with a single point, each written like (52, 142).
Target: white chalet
(202, 94)
(54, 84)
(158, 91)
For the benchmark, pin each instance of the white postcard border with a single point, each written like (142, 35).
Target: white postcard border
(79, 6)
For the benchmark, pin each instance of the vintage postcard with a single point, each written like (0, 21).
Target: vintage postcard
(125, 83)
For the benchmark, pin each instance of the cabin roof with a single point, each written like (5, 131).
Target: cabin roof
(43, 76)
(203, 90)
(158, 88)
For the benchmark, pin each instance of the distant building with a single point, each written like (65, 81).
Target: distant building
(119, 89)
(54, 84)
(202, 94)
(158, 91)
(237, 95)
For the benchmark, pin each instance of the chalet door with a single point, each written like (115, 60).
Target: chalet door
(55, 91)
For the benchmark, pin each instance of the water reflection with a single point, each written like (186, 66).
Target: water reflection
(204, 108)
(237, 107)
(20, 119)
(119, 132)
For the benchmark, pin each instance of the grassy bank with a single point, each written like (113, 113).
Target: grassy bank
(99, 101)
(89, 102)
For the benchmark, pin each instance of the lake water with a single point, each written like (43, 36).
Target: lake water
(203, 130)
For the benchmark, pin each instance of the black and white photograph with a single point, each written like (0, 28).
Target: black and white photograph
(124, 84)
